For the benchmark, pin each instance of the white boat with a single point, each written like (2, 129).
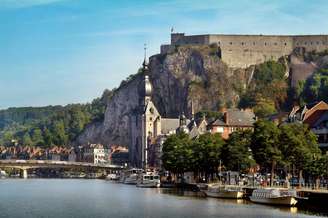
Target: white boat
(224, 191)
(149, 180)
(131, 176)
(3, 174)
(274, 196)
(113, 176)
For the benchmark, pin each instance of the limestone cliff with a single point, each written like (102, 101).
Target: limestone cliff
(181, 76)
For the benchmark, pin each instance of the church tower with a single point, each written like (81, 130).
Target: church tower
(145, 123)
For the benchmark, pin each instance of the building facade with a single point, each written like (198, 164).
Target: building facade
(316, 117)
(233, 120)
(146, 124)
(96, 154)
(149, 129)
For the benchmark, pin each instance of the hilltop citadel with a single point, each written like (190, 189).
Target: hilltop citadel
(242, 51)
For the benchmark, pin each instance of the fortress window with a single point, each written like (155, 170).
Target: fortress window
(253, 43)
(230, 43)
(305, 43)
(318, 43)
(275, 43)
(298, 43)
(311, 43)
(219, 43)
(285, 44)
(265, 43)
(242, 43)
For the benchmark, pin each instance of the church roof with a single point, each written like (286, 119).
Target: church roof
(169, 124)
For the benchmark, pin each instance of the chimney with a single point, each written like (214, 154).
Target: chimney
(226, 117)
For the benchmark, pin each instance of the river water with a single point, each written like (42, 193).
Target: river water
(34, 198)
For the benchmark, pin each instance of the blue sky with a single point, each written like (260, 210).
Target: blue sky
(68, 51)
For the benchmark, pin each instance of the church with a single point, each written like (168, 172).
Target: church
(149, 129)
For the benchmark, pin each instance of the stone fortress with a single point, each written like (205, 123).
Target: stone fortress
(242, 51)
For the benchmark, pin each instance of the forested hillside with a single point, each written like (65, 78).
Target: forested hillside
(51, 125)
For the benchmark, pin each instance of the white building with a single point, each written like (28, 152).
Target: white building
(97, 154)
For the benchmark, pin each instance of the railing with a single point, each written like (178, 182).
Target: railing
(51, 162)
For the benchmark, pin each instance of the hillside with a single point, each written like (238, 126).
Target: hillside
(183, 75)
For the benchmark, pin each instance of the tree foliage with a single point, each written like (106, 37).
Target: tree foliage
(52, 125)
(236, 153)
(268, 90)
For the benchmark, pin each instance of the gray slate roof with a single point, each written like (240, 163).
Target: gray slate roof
(169, 124)
(237, 117)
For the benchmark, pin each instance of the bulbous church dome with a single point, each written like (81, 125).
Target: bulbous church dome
(145, 88)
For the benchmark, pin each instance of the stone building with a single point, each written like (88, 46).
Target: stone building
(149, 129)
(315, 115)
(233, 120)
(146, 123)
(242, 51)
(96, 154)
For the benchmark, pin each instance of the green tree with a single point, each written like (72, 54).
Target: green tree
(206, 154)
(264, 108)
(177, 153)
(27, 139)
(316, 87)
(267, 91)
(37, 137)
(236, 154)
(265, 145)
(299, 146)
(60, 136)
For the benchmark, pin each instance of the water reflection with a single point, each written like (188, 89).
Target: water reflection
(97, 198)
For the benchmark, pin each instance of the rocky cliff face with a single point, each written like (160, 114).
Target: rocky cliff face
(187, 74)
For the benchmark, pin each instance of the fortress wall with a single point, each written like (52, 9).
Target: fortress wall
(240, 51)
(311, 43)
(193, 40)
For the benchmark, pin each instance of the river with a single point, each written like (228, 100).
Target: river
(34, 198)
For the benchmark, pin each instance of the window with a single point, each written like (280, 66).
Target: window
(253, 43)
(265, 43)
(275, 43)
(230, 43)
(285, 44)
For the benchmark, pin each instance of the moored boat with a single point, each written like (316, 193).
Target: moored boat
(224, 191)
(274, 196)
(131, 176)
(149, 180)
(3, 174)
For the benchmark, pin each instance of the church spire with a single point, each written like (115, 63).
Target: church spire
(145, 62)
(192, 110)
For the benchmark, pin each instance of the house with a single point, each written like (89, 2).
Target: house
(96, 153)
(72, 157)
(233, 120)
(315, 115)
